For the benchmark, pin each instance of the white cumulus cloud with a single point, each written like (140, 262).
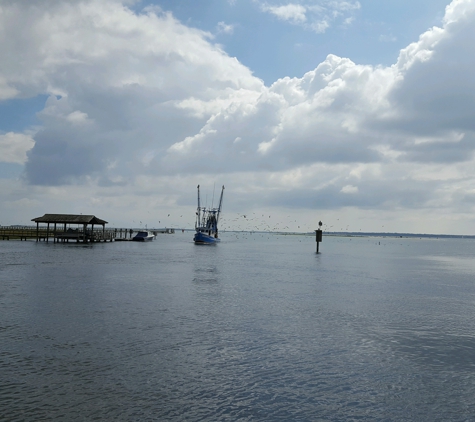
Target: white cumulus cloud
(315, 16)
(14, 146)
(291, 12)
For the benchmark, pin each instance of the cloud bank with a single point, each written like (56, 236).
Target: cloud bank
(140, 102)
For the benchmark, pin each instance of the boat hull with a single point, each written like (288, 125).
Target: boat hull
(143, 237)
(205, 239)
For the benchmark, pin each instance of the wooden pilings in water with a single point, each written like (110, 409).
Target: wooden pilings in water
(123, 234)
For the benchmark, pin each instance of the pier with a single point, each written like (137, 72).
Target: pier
(74, 227)
(64, 228)
(46, 234)
(60, 236)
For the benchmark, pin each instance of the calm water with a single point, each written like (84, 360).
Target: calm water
(257, 328)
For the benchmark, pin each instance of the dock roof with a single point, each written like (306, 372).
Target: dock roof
(69, 219)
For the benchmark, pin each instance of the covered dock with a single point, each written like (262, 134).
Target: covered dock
(66, 227)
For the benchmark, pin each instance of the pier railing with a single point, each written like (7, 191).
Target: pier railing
(42, 233)
(96, 235)
(21, 232)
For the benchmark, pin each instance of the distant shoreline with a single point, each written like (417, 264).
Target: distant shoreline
(325, 233)
(360, 234)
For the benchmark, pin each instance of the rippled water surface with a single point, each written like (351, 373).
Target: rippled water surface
(257, 328)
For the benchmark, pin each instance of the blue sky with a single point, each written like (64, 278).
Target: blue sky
(342, 111)
(274, 48)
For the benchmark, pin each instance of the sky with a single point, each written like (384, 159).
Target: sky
(360, 114)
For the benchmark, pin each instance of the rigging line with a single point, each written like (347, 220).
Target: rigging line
(212, 201)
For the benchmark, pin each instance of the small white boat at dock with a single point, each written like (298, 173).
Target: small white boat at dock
(143, 236)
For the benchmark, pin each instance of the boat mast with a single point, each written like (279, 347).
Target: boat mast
(220, 203)
(198, 212)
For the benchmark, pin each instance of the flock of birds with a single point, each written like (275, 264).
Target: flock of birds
(253, 223)
(257, 223)
(264, 223)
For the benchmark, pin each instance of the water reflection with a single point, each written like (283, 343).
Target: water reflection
(435, 350)
(464, 265)
(205, 274)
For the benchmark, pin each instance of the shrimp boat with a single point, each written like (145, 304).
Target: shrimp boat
(206, 225)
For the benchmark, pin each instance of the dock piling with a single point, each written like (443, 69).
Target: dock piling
(319, 235)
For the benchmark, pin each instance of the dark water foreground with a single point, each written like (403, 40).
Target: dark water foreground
(258, 328)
